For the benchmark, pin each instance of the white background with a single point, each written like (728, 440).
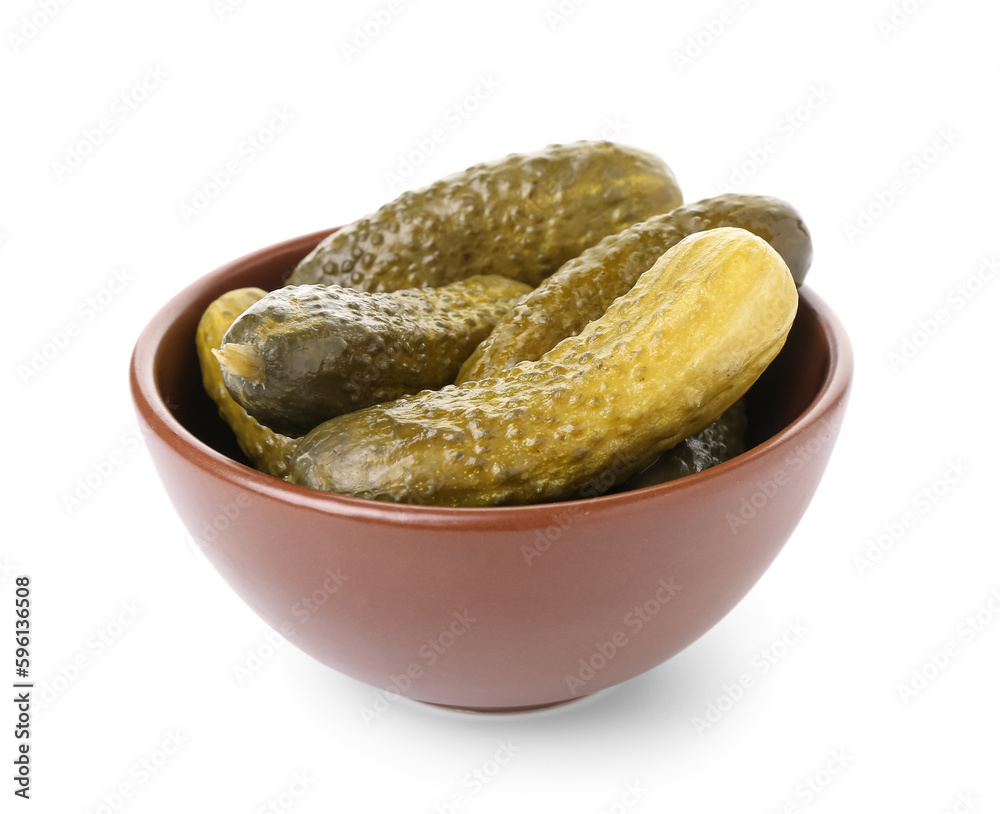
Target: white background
(292, 732)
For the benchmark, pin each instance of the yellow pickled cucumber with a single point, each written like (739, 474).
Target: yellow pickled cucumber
(585, 286)
(267, 450)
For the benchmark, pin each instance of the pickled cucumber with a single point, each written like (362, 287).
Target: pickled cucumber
(304, 354)
(718, 442)
(585, 286)
(521, 216)
(267, 450)
(663, 362)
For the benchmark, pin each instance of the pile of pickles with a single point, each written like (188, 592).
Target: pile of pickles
(547, 326)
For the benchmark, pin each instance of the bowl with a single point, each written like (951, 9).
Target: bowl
(489, 609)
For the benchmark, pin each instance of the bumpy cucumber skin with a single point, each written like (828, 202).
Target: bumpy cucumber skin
(585, 286)
(267, 450)
(521, 216)
(665, 361)
(327, 350)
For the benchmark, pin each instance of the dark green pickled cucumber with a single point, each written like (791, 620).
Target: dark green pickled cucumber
(662, 363)
(521, 216)
(304, 354)
(585, 286)
(718, 442)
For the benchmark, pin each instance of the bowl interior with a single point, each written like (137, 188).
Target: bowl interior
(781, 395)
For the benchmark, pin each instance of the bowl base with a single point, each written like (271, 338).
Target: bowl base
(505, 710)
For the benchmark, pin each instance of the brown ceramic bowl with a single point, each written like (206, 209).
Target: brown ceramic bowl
(495, 609)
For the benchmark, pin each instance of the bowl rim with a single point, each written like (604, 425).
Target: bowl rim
(153, 411)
